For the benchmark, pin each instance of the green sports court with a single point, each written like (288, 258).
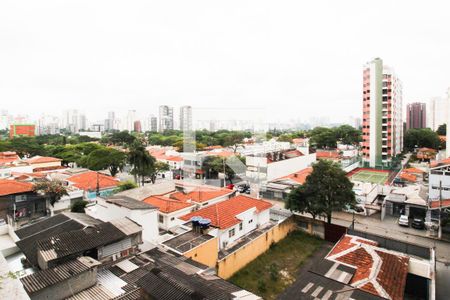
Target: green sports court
(370, 176)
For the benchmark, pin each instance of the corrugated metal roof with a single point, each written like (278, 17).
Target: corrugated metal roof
(127, 266)
(97, 292)
(111, 282)
(127, 226)
(45, 278)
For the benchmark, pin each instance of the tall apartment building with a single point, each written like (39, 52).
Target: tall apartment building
(416, 115)
(437, 112)
(110, 121)
(165, 118)
(186, 118)
(153, 123)
(382, 114)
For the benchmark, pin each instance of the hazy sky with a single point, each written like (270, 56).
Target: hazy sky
(297, 59)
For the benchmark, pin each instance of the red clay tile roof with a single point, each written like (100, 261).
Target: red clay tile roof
(201, 194)
(88, 181)
(408, 176)
(440, 163)
(327, 154)
(299, 176)
(42, 159)
(413, 170)
(223, 214)
(166, 205)
(11, 187)
(174, 158)
(298, 140)
(221, 153)
(436, 203)
(378, 271)
(8, 157)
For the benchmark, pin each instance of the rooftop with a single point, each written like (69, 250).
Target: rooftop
(200, 194)
(224, 214)
(167, 205)
(298, 177)
(129, 203)
(378, 271)
(48, 277)
(42, 159)
(88, 181)
(11, 187)
(187, 241)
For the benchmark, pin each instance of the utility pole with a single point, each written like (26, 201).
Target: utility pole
(98, 185)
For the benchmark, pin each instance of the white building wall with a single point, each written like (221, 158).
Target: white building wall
(147, 218)
(172, 220)
(434, 183)
(288, 166)
(249, 223)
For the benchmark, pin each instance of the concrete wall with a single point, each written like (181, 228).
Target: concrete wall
(241, 257)
(288, 166)
(207, 253)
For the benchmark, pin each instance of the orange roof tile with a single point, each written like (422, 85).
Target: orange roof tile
(223, 214)
(378, 271)
(440, 163)
(327, 154)
(299, 176)
(437, 204)
(201, 194)
(166, 205)
(174, 158)
(88, 181)
(221, 153)
(11, 187)
(408, 176)
(413, 170)
(42, 159)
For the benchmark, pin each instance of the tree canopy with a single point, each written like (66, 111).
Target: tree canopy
(442, 129)
(106, 158)
(323, 137)
(424, 137)
(325, 190)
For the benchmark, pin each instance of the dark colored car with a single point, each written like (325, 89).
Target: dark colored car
(418, 223)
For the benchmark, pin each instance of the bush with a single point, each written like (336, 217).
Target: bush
(262, 286)
(126, 185)
(273, 270)
(78, 206)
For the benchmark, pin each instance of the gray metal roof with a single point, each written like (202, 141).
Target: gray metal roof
(127, 226)
(45, 278)
(187, 241)
(129, 202)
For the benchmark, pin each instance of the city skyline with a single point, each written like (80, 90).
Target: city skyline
(252, 57)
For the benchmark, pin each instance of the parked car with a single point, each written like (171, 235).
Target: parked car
(418, 223)
(403, 221)
(244, 188)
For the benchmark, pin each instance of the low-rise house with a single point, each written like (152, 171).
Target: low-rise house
(410, 201)
(169, 210)
(201, 195)
(439, 180)
(94, 184)
(332, 155)
(19, 204)
(119, 206)
(43, 163)
(426, 154)
(280, 188)
(64, 237)
(234, 218)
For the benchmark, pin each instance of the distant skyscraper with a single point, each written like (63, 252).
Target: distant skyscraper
(382, 114)
(165, 118)
(110, 121)
(130, 118)
(137, 126)
(71, 120)
(416, 115)
(153, 123)
(47, 125)
(83, 122)
(185, 118)
(437, 112)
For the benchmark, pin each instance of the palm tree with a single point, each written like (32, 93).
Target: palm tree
(142, 162)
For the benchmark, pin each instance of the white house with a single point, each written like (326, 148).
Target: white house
(234, 218)
(116, 207)
(170, 210)
(439, 180)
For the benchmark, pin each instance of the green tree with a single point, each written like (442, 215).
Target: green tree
(323, 137)
(424, 137)
(158, 167)
(213, 165)
(348, 135)
(106, 158)
(122, 138)
(78, 206)
(442, 129)
(325, 190)
(53, 189)
(142, 162)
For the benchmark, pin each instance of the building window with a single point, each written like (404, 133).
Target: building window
(240, 226)
(251, 221)
(173, 218)
(231, 233)
(161, 218)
